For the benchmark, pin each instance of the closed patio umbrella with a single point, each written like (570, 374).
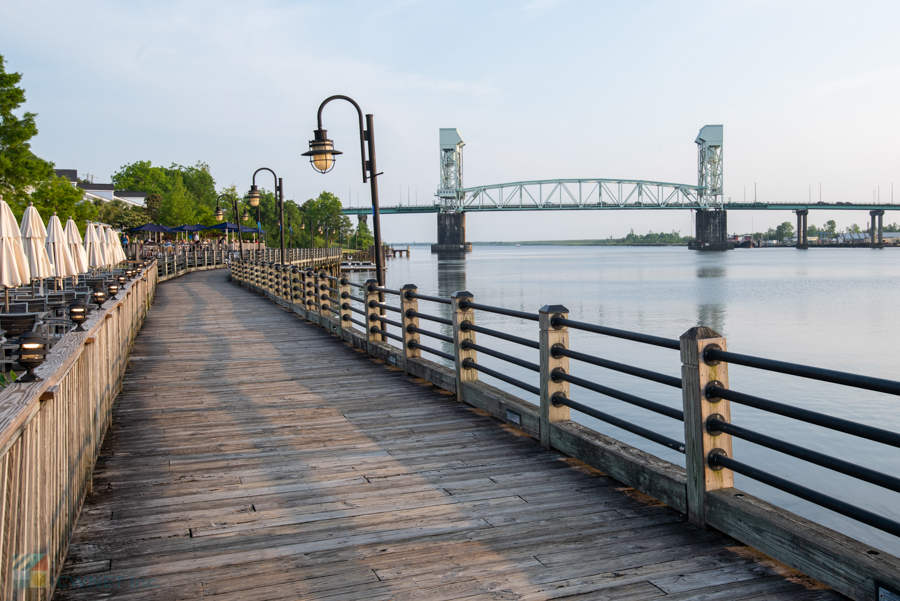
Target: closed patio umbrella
(116, 254)
(73, 239)
(14, 269)
(34, 237)
(92, 248)
(104, 245)
(58, 250)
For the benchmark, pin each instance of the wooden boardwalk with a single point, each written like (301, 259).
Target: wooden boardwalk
(254, 456)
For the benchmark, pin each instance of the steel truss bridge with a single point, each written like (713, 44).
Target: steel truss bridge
(598, 194)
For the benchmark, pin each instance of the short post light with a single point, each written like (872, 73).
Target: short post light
(78, 314)
(113, 290)
(99, 296)
(32, 352)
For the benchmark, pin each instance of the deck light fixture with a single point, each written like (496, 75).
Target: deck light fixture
(122, 279)
(253, 196)
(220, 214)
(78, 314)
(32, 351)
(99, 296)
(322, 156)
(113, 289)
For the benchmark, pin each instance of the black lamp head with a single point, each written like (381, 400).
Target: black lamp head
(321, 152)
(32, 352)
(253, 196)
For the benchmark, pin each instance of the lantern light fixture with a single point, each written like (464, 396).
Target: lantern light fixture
(32, 352)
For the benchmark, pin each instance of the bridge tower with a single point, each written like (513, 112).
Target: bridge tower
(451, 220)
(712, 221)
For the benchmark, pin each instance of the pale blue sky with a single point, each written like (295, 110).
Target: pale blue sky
(807, 91)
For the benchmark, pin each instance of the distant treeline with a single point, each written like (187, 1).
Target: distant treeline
(632, 239)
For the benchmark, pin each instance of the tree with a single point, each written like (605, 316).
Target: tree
(364, 238)
(20, 169)
(853, 229)
(151, 206)
(784, 231)
(831, 227)
(176, 207)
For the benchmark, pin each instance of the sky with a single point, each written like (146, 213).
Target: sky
(539, 89)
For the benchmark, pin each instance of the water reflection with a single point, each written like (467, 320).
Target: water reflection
(711, 315)
(711, 271)
(451, 275)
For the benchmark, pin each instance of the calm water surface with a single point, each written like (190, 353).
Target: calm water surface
(832, 308)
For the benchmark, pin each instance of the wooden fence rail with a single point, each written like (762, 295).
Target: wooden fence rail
(50, 437)
(188, 259)
(704, 491)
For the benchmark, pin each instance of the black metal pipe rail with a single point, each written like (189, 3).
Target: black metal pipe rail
(508, 358)
(465, 327)
(622, 396)
(333, 310)
(410, 313)
(335, 290)
(813, 373)
(839, 465)
(383, 306)
(615, 333)
(805, 415)
(354, 284)
(501, 376)
(385, 290)
(374, 317)
(359, 323)
(360, 311)
(836, 505)
(375, 330)
(464, 304)
(428, 349)
(325, 297)
(415, 330)
(356, 298)
(620, 423)
(434, 299)
(620, 367)
(327, 277)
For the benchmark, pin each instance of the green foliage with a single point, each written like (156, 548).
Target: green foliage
(831, 227)
(177, 195)
(893, 227)
(363, 238)
(853, 229)
(785, 230)
(656, 238)
(325, 217)
(20, 169)
(7, 379)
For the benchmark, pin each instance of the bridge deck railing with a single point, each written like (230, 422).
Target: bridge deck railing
(172, 265)
(388, 324)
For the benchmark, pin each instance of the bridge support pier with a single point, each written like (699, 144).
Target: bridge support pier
(802, 239)
(877, 232)
(711, 231)
(451, 234)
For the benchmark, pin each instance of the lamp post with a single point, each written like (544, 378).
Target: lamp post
(253, 197)
(322, 156)
(220, 214)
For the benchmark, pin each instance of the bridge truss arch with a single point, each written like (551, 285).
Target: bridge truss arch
(593, 193)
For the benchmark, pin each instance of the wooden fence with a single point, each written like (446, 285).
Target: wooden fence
(50, 437)
(188, 259)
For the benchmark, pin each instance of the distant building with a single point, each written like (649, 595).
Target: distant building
(104, 192)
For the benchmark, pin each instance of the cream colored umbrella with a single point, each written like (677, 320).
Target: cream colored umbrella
(58, 250)
(34, 237)
(115, 247)
(103, 234)
(73, 239)
(92, 247)
(14, 269)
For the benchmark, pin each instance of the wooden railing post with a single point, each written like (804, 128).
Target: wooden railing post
(552, 336)
(460, 317)
(318, 282)
(408, 305)
(344, 298)
(323, 294)
(699, 442)
(371, 312)
(308, 292)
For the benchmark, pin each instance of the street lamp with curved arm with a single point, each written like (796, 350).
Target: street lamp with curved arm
(220, 215)
(253, 197)
(322, 156)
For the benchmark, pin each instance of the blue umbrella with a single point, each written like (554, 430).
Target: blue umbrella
(189, 228)
(151, 227)
(229, 227)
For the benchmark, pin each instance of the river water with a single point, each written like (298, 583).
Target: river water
(831, 308)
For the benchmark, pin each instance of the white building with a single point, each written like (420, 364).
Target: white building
(104, 192)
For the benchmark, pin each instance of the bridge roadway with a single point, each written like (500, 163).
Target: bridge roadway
(253, 456)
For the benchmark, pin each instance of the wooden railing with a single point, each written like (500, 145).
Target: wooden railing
(50, 436)
(188, 259)
(704, 490)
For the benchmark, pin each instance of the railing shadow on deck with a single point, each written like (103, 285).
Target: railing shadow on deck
(704, 491)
